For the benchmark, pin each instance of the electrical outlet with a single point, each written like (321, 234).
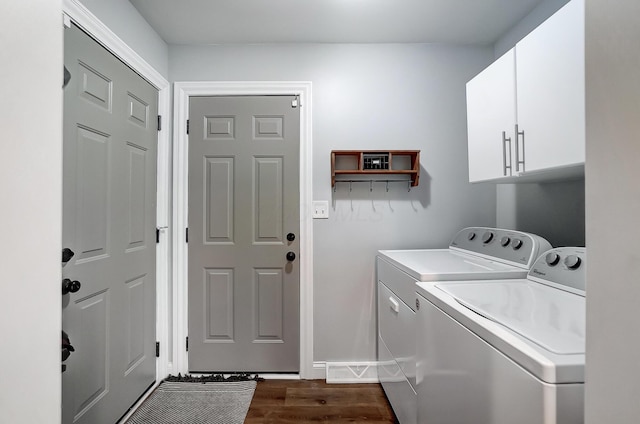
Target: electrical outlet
(320, 209)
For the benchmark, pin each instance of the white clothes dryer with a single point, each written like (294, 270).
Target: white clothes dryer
(475, 253)
(505, 351)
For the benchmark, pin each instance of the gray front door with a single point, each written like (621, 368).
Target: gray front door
(243, 234)
(109, 196)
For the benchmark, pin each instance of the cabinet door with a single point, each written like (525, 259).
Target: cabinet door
(491, 100)
(551, 91)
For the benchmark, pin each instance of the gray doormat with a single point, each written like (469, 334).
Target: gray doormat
(196, 403)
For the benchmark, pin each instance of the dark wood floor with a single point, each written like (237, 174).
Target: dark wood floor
(315, 401)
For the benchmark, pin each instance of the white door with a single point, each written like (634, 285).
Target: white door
(551, 91)
(243, 234)
(491, 118)
(109, 192)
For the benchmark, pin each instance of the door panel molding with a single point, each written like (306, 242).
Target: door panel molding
(182, 92)
(74, 10)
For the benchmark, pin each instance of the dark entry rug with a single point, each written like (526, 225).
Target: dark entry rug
(196, 402)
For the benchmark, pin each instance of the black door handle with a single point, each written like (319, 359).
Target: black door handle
(67, 254)
(291, 256)
(69, 286)
(291, 237)
(66, 348)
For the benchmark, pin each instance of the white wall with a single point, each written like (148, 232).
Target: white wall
(613, 209)
(538, 15)
(553, 210)
(368, 97)
(127, 23)
(31, 193)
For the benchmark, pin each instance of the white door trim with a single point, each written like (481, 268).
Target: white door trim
(182, 92)
(81, 16)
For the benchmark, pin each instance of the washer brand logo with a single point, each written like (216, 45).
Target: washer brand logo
(535, 271)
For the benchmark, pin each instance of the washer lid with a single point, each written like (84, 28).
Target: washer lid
(448, 265)
(553, 319)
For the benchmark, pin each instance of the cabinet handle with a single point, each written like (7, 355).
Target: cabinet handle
(518, 161)
(394, 305)
(504, 154)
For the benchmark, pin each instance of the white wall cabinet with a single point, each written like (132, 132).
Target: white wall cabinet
(491, 114)
(526, 111)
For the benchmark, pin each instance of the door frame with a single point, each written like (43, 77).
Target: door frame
(182, 92)
(74, 11)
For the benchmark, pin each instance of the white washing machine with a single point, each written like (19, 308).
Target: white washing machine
(505, 351)
(474, 253)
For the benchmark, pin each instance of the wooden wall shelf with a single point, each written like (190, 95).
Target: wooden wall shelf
(376, 162)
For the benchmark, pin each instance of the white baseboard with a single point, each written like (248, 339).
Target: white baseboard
(352, 372)
(319, 371)
(280, 376)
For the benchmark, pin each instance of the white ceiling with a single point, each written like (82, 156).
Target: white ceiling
(332, 21)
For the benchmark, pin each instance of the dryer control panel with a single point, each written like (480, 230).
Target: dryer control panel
(519, 248)
(563, 268)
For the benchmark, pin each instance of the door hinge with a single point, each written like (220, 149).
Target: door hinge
(186, 235)
(187, 126)
(157, 235)
(157, 349)
(159, 122)
(296, 102)
(187, 343)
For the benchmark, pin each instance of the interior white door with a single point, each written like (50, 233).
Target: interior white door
(551, 91)
(243, 238)
(109, 196)
(491, 118)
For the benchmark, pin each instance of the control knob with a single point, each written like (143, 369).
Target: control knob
(471, 236)
(487, 237)
(516, 244)
(572, 261)
(552, 259)
(504, 241)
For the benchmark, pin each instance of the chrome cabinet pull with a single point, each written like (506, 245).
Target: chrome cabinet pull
(518, 161)
(504, 154)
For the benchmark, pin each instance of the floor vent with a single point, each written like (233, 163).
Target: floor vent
(352, 372)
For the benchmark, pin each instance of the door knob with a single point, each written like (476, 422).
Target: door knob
(66, 349)
(291, 256)
(69, 286)
(291, 237)
(67, 254)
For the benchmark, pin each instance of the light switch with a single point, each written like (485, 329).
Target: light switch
(320, 209)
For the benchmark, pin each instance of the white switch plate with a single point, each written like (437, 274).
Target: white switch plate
(320, 209)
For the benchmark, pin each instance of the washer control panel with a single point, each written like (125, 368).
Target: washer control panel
(506, 245)
(562, 267)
